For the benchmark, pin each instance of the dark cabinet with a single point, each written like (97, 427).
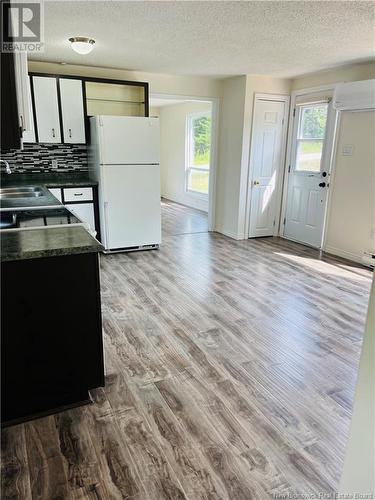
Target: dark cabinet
(51, 346)
(10, 129)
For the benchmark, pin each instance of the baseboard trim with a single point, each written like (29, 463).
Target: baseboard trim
(230, 234)
(200, 205)
(344, 254)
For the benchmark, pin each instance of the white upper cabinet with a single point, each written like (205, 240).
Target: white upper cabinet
(72, 110)
(25, 114)
(29, 134)
(47, 109)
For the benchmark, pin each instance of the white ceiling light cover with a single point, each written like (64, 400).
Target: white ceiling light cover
(81, 44)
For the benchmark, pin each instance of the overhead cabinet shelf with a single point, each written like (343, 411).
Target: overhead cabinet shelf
(115, 99)
(62, 104)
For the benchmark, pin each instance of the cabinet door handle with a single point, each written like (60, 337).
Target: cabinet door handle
(78, 194)
(70, 132)
(53, 132)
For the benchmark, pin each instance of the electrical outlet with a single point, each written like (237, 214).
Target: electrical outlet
(54, 164)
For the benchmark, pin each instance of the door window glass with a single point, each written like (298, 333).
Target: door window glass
(310, 137)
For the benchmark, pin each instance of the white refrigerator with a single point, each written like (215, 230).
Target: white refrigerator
(124, 159)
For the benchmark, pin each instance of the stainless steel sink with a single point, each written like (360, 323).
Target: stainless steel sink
(24, 192)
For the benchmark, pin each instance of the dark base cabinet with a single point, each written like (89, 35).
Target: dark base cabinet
(51, 346)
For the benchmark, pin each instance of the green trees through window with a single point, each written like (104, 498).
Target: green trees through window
(310, 138)
(198, 152)
(314, 122)
(202, 140)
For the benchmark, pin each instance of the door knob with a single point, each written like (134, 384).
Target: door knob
(322, 184)
(256, 183)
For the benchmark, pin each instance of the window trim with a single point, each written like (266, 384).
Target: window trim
(188, 152)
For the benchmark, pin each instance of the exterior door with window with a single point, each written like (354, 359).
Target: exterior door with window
(309, 176)
(198, 148)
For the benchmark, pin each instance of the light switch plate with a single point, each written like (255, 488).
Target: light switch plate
(347, 150)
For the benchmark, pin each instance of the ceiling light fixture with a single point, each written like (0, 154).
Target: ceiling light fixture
(82, 44)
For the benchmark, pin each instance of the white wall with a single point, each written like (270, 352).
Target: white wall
(234, 148)
(348, 73)
(351, 218)
(228, 175)
(154, 112)
(159, 83)
(359, 466)
(172, 153)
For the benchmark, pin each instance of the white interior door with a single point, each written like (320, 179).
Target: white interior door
(308, 178)
(266, 163)
(131, 205)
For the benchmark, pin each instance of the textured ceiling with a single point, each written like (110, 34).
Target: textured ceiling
(218, 38)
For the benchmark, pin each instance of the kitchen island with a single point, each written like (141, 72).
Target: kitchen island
(52, 348)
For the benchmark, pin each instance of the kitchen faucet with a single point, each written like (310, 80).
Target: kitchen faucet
(7, 167)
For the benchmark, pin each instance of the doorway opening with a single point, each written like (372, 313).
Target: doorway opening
(187, 161)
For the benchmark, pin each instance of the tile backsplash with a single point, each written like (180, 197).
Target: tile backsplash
(38, 158)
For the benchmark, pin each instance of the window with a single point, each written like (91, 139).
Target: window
(310, 137)
(198, 147)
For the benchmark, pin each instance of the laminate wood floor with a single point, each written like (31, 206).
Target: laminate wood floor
(178, 219)
(231, 368)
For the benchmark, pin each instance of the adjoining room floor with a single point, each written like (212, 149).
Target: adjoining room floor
(179, 219)
(231, 368)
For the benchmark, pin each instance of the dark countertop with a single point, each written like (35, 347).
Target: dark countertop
(44, 181)
(44, 242)
(47, 200)
(49, 180)
(49, 242)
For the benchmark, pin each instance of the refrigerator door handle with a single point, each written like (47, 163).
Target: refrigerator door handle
(106, 222)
